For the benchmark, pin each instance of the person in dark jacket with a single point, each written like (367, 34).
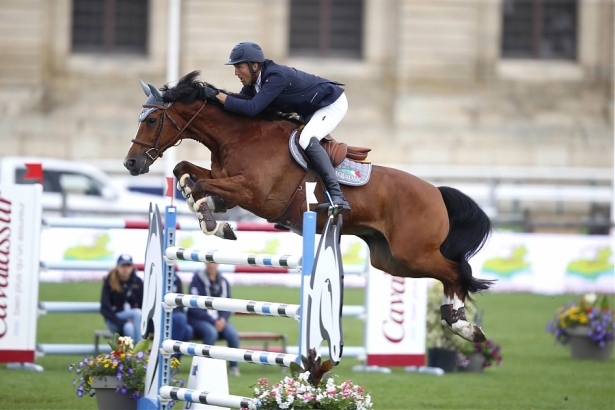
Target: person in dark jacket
(181, 330)
(211, 325)
(321, 102)
(121, 299)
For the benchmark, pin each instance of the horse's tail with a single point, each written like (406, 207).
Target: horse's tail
(469, 229)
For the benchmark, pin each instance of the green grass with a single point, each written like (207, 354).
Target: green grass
(536, 374)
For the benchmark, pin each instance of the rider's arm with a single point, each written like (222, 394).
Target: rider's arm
(272, 87)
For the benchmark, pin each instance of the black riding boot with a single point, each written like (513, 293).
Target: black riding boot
(322, 164)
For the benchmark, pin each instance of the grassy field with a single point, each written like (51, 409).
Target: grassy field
(535, 374)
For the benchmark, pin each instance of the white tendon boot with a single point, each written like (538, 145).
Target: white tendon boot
(453, 316)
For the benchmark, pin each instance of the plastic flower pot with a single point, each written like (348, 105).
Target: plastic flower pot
(108, 399)
(584, 348)
(476, 362)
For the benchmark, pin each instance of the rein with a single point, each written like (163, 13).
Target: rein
(154, 152)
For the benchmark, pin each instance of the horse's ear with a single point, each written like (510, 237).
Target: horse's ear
(155, 92)
(145, 88)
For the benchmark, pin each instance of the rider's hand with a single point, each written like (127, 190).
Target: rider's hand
(207, 93)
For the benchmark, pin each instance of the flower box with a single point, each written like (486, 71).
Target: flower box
(106, 396)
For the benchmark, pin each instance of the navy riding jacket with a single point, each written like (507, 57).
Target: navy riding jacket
(203, 286)
(112, 302)
(288, 90)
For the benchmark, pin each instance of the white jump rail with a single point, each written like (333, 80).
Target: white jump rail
(250, 259)
(118, 223)
(233, 305)
(229, 353)
(203, 397)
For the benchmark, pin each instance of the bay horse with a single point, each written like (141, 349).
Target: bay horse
(412, 228)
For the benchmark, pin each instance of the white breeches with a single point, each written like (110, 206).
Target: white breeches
(324, 121)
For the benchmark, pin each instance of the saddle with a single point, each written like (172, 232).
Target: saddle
(337, 151)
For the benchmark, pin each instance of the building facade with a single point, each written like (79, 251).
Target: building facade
(451, 82)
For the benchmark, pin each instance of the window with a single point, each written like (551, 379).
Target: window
(110, 26)
(57, 181)
(545, 29)
(326, 28)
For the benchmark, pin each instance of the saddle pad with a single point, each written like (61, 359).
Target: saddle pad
(348, 172)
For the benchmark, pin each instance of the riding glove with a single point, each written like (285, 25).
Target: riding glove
(207, 93)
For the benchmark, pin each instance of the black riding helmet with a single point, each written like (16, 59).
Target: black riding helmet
(246, 52)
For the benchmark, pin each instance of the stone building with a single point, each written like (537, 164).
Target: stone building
(440, 82)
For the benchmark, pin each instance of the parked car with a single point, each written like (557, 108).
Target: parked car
(73, 188)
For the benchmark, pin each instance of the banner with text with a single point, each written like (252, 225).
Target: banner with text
(20, 226)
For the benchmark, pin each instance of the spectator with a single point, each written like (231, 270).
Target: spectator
(211, 325)
(121, 299)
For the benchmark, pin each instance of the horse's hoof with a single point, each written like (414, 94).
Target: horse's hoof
(227, 232)
(479, 336)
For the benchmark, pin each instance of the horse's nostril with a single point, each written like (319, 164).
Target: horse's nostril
(130, 162)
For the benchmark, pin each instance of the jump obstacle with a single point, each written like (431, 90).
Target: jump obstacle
(157, 392)
(261, 265)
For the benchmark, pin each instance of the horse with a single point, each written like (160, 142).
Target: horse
(412, 228)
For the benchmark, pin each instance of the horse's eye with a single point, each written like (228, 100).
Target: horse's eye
(151, 121)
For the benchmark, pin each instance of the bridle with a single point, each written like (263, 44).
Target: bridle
(154, 152)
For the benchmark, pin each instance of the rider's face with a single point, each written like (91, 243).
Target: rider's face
(242, 71)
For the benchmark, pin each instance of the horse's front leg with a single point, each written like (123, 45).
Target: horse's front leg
(233, 189)
(186, 173)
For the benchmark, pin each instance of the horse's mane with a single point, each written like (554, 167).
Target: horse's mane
(187, 91)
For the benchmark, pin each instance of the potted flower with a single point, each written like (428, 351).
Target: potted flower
(307, 388)
(587, 325)
(117, 379)
(474, 357)
(442, 344)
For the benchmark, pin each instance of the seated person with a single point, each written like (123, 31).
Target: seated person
(211, 325)
(121, 299)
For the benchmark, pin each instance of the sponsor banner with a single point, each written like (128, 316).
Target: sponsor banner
(547, 263)
(100, 245)
(396, 320)
(20, 224)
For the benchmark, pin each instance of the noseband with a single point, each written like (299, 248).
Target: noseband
(154, 152)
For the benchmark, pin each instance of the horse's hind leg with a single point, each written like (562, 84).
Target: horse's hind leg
(453, 316)
(428, 263)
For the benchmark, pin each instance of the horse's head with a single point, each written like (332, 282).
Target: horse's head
(155, 134)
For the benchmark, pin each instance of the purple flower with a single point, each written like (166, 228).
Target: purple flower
(140, 355)
(70, 368)
(81, 365)
(119, 376)
(86, 360)
(121, 367)
(182, 382)
(92, 393)
(79, 393)
(124, 390)
(78, 371)
(131, 371)
(74, 382)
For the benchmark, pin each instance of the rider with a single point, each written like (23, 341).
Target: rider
(321, 102)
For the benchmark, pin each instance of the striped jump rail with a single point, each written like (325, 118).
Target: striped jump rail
(232, 305)
(105, 266)
(229, 353)
(117, 223)
(251, 259)
(203, 397)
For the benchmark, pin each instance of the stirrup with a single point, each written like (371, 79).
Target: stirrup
(330, 209)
